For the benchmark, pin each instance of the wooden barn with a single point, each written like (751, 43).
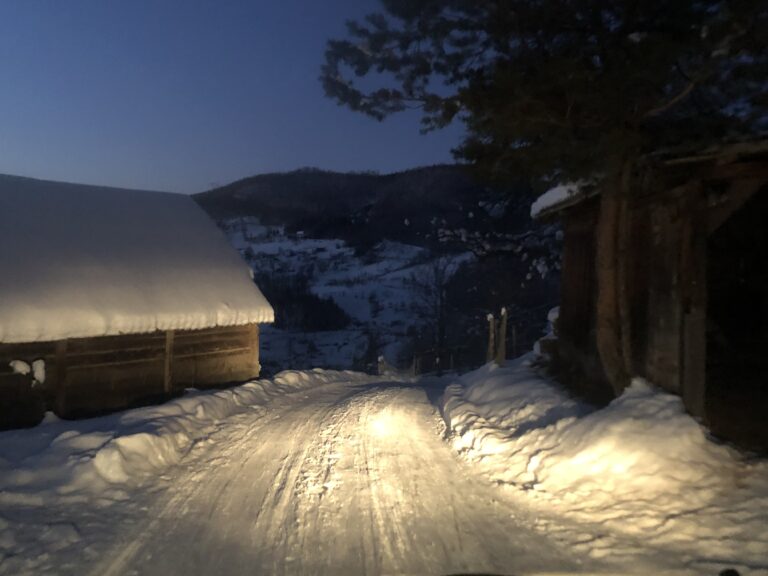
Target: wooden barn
(696, 286)
(111, 298)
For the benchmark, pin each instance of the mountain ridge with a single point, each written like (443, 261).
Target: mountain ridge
(365, 208)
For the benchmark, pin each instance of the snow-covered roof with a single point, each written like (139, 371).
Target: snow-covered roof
(82, 261)
(568, 194)
(562, 195)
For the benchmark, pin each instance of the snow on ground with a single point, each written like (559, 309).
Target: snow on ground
(73, 457)
(351, 475)
(98, 463)
(639, 469)
(375, 289)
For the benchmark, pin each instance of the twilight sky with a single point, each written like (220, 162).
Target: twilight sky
(182, 95)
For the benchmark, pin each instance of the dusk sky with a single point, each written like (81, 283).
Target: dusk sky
(185, 95)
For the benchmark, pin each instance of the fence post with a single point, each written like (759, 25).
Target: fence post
(491, 338)
(501, 349)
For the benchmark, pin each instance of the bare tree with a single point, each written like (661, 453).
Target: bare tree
(429, 285)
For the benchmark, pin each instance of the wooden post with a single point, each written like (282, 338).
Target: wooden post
(501, 349)
(168, 368)
(253, 332)
(61, 377)
(491, 338)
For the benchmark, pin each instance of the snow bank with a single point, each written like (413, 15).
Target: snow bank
(82, 261)
(640, 467)
(105, 455)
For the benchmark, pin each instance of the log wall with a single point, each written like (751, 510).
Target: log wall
(86, 376)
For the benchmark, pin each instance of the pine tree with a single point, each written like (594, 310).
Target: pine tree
(565, 90)
(559, 88)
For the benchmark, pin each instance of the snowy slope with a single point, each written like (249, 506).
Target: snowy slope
(374, 289)
(638, 468)
(83, 261)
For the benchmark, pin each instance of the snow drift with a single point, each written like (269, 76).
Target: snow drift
(640, 467)
(96, 456)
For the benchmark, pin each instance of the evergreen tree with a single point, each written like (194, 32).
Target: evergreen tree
(559, 88)
(564, 90)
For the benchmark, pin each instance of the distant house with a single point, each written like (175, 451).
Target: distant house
(697, 289)
(110, 298)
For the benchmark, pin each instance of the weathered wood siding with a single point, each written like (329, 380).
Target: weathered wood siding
(671, 269)
(91, 375)
(661, 353)
(577, 359)
(667, 282)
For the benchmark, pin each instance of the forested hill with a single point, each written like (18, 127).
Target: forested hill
(351, 262)
(365, 208)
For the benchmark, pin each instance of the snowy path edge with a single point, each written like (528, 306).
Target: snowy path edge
(124, 449)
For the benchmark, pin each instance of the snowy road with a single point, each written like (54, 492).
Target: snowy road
(343, 479)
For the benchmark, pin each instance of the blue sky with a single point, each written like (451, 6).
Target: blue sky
(186, 94)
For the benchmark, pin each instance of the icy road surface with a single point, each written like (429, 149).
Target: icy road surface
(342, 479)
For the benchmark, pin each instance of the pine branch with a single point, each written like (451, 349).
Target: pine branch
(670, 103)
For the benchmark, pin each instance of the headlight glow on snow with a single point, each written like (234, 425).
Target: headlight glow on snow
(383, 424)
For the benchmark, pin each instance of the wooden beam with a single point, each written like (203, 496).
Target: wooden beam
(222, 352)
(253, 331)
(737, 195)
(115, 361)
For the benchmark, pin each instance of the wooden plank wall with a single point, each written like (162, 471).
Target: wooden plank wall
(661, 354)
(663, 262)
(578, 290)
(86, 376)
(577, 362)
(671, 219)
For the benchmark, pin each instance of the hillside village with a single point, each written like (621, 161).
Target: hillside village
(377, 288)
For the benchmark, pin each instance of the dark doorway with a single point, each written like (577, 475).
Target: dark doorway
(737, 326)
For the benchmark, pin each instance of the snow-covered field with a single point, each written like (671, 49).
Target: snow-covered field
(375, 290)
(635, 479)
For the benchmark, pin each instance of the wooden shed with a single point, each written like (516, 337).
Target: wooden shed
(111, 298)
(697, 286)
